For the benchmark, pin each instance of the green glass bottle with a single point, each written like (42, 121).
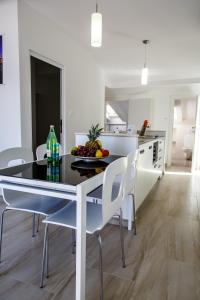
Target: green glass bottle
(51, 144)
(53, 172)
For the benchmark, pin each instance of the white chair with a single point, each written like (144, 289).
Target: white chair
(13, 155)
(22, 201)
(41, 151)
(97, 215)
(129, 186)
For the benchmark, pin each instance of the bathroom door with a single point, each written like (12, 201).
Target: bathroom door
(183, 137)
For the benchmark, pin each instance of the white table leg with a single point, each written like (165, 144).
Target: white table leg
(80, 244)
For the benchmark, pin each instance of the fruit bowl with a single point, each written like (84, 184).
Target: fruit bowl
(93, 149)
(89, 158)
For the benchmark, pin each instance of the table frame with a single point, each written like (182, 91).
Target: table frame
(75, 193)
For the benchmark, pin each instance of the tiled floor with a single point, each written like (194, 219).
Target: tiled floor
(163, 260)
(181, 165)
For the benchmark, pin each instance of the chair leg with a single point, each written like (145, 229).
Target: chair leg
(122, 239)
(1, 233)
(38, 223)
(100, 266)
(33, 226)
(44, 256)
(134, 214)
(73, 241)
(47, 253)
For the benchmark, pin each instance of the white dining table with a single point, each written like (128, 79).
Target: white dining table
(71, 179)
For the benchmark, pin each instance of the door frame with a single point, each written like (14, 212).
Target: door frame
(62, 92)
(196, 158)
(171, 126)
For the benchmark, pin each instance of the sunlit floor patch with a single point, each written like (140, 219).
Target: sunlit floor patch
(178, 173)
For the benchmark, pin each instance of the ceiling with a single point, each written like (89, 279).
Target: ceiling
(172, 26)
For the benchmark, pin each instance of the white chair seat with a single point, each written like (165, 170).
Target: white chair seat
(33, 203)
(67, 217)
(97, 193)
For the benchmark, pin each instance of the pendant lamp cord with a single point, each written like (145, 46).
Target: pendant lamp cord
(145, 56)
(96, 6)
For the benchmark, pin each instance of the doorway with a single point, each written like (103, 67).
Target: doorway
(183, 136)
(46, 100)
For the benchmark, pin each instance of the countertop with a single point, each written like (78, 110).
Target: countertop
(141, 140)
(144, 140)
(110, 134)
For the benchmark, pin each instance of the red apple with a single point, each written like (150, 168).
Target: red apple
(105, 152)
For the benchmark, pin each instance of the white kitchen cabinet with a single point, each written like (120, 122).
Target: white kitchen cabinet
(141, 184)
(148, 171)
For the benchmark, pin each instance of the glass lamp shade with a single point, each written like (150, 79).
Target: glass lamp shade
(96, 29)
(144, 77)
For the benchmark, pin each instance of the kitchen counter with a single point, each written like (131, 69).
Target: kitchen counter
(120, 143)
(111, 134)
(143, 140)
(150, 166)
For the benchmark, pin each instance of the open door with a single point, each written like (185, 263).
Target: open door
(183, 137)
(46, 101)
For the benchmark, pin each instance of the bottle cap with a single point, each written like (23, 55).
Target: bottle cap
(51, 126)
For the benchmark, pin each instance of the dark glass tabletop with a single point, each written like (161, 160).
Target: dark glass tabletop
(68, 170)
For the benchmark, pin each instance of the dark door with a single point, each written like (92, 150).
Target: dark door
(46, 94)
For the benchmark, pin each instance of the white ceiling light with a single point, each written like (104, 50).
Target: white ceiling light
(96, 28)
(145, 71)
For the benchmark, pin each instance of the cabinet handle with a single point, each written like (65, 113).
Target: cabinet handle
(160, 158)
(160, 150)
(141, 151)
(150, 147)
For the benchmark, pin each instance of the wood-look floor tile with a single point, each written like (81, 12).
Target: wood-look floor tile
(12, 289)
(114, 288)
(162, 260)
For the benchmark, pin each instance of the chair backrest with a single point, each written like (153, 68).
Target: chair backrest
(41, 151)
(14, 154)
(110, 206)
(132, 158)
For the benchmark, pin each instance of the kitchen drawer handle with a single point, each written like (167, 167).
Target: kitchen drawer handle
(150, 147)
(141, 151)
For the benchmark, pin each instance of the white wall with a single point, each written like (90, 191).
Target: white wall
(140, 110)
(10, 123)
(84, 86)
